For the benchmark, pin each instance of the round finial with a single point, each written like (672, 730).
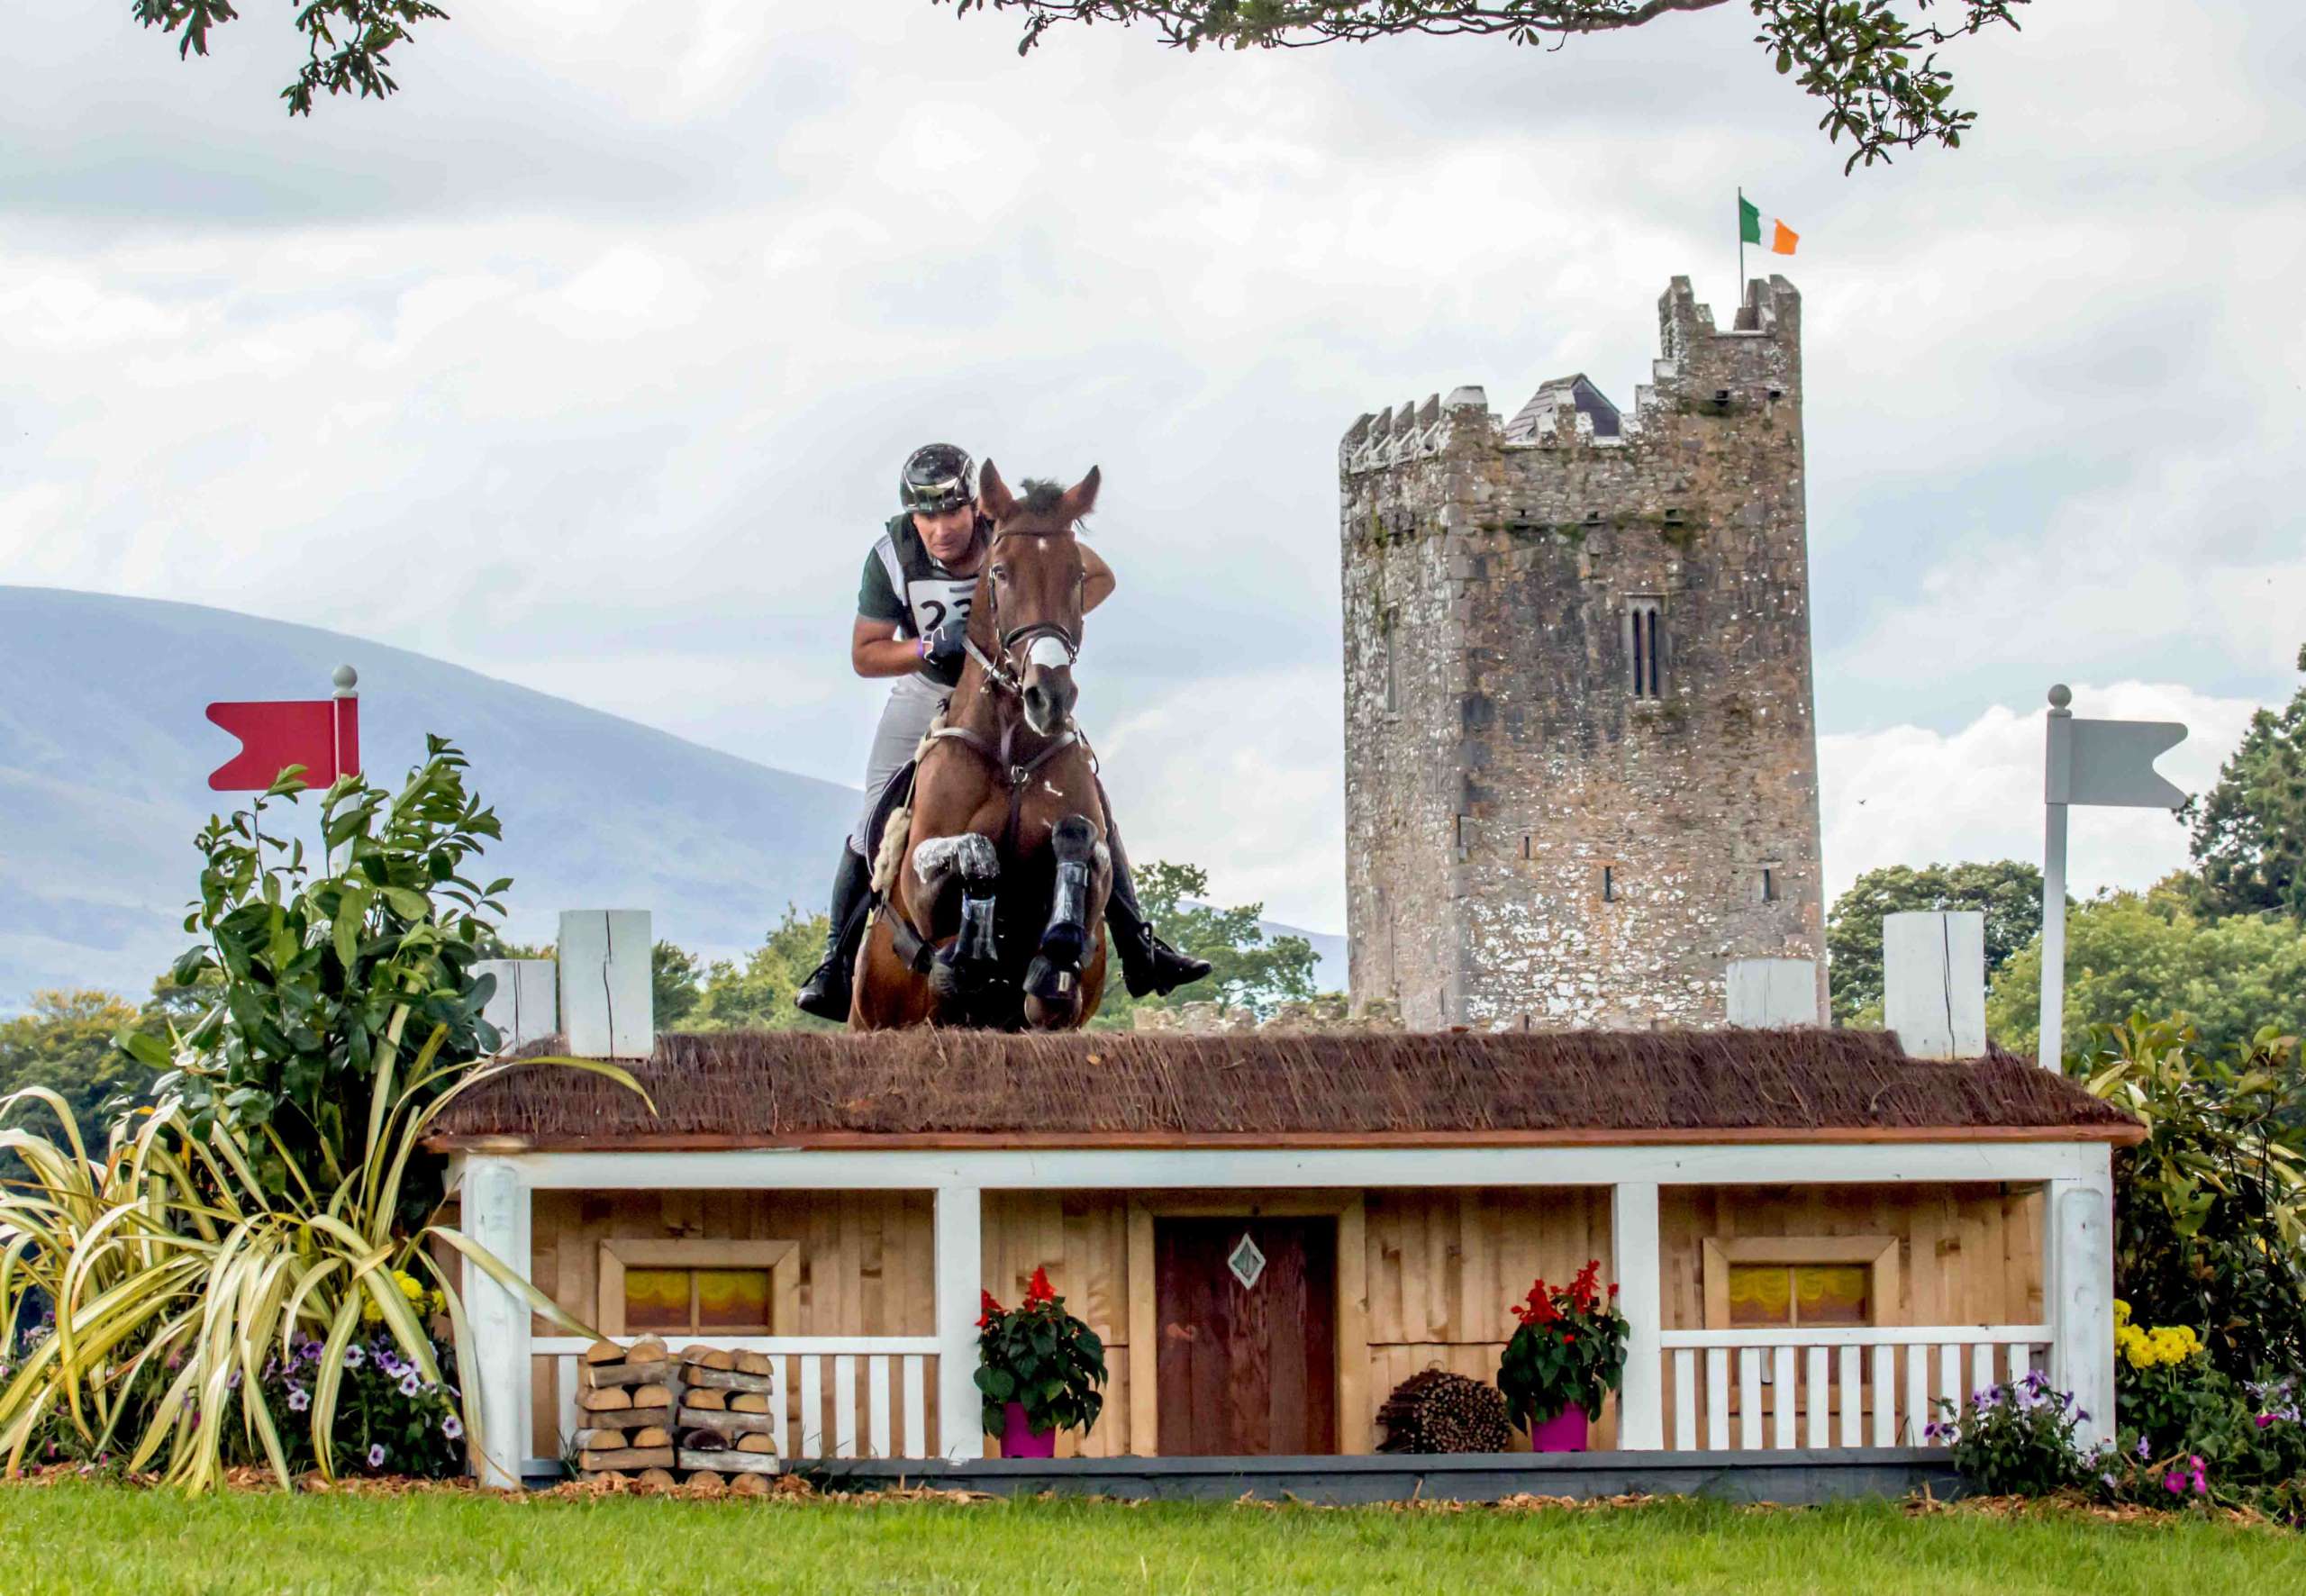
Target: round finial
(346, 677)
(2061, 695)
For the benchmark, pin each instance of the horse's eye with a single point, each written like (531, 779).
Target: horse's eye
(1001, 573)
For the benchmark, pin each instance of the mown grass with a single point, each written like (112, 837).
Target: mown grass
(89, 1538)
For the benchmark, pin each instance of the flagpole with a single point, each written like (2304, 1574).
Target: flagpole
(1741, 243)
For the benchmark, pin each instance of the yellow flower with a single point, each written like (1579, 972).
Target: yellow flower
(409, 1287)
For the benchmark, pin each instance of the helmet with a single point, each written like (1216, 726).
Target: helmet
(937, 476)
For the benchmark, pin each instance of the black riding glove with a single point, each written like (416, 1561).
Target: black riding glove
(944, 645)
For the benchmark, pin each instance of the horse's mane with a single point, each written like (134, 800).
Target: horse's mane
(1040, 498)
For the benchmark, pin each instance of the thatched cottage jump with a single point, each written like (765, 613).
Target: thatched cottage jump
(1815, 1234)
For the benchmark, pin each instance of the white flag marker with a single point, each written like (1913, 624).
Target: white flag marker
(2105, 764)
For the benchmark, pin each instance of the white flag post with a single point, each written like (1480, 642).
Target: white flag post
(2108, 764)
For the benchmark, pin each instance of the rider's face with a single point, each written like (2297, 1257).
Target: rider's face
(948, 532)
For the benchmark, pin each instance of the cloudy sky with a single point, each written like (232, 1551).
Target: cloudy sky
(587, 361)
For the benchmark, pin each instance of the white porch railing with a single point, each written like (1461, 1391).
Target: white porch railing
(878, 1387)
(1869, 1386)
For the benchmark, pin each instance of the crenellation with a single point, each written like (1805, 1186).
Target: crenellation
(1539, 826)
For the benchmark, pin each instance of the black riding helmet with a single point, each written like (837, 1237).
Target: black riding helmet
(937, 476)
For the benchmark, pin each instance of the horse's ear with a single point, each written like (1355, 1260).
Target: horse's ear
(1082, 496)
(993, 495)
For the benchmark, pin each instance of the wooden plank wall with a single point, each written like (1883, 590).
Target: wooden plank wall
(1967, 1254)
(868, 1258)
(1445, 1268)
(1081, 1239)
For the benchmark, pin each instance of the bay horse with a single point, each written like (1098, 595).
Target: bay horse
(995, 914)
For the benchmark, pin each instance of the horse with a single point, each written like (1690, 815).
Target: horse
(1006, 848)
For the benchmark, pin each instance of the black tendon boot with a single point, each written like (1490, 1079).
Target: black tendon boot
(1148, 963)
(825, 993)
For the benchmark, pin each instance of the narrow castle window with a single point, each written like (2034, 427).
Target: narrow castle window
(1392, 675)
(1609, 884)
(1769, 885)
(1644, 648)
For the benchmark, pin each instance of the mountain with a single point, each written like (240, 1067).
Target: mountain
(105, 754)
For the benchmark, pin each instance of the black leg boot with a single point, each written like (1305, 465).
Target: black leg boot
(825, 993)
(1148, 963)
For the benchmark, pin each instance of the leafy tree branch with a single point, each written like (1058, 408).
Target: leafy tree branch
(1876, 71)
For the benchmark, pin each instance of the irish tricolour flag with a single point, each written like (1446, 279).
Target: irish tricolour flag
(1754, 228)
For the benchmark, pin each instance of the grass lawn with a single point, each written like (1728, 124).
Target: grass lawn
(88, 1539)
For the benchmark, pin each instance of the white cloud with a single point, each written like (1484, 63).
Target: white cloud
(1907, 795)
(586, 360)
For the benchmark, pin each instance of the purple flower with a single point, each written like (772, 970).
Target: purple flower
(354, 1357)
(232, 1381)
(2081, 1414)
(298, 1399)
(390, 1363)
(2174, 1483)
(376, 1455)
(2265, 1420)
(2110, 1482)
(2142, 1451)
(410, 1385)
(453, 1427)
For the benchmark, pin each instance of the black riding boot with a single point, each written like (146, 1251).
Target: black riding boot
(1148, 963)
(825, 993)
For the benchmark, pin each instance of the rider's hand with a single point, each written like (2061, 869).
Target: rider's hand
(945, 643)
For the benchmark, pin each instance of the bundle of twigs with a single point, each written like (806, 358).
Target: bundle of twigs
(1438, 1412)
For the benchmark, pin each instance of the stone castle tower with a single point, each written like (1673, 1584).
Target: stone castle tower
(1581, 760)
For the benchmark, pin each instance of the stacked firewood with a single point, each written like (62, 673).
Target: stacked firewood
(625, 1402)
(1438, 1412)
(724, 1423)
(706, 1414)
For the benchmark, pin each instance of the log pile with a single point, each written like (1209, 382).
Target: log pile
(1438, 1412)
(646, 1414)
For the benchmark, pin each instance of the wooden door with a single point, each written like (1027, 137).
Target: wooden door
(1245, 1370)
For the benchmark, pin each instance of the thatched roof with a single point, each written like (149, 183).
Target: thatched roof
(968, 1088)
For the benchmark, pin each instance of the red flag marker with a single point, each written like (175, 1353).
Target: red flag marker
(322, 735)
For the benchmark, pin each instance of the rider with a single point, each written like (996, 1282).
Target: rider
(913, 613)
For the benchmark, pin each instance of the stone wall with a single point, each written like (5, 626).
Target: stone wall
(1533, 829)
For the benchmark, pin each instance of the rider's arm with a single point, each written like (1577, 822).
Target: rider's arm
(874, 650)
(1097, 579)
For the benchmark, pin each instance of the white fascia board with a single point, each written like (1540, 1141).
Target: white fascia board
(910, 1169)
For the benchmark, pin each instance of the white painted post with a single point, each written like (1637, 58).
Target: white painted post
(2099, 762)
(2079, 1247)
(1933, 981)
(498, 1358)
(2057, 762)
(1770, 992)
(1633, 1248)
(606, 1004)
(961, 1281)
(526, 1004)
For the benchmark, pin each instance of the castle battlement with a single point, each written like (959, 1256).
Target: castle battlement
(1581, 769)
(1755, 362)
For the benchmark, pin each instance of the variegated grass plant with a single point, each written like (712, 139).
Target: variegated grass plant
(175, 1280)
(281, 1182)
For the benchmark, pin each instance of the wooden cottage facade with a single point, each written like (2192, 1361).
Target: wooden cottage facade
(1815, 1236)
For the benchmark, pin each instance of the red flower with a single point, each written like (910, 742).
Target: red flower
(1038, 1290)
(987, 1308)
(1538, 1308)
(1568, 1339)
(1614, 1288)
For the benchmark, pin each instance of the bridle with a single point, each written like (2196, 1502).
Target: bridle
(1004, 672)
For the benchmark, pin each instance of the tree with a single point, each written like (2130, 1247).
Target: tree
(676, 981)
(2010, 894)
(1876, 72)
(2128, 955)
(64, 1042)
(756, 994)
(1245, 968)
(2249, 830)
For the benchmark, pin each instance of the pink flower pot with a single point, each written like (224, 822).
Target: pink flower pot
(1563, 1432)
(1018, 1441)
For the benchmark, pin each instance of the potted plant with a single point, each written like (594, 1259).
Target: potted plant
(1568, 1353)
(1040, 1368)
